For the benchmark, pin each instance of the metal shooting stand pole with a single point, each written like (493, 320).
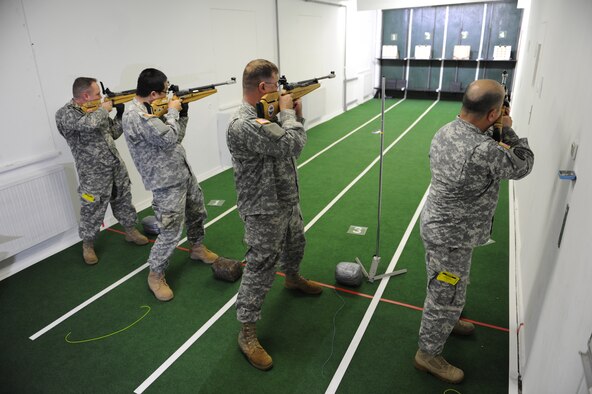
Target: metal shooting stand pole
(376, 258)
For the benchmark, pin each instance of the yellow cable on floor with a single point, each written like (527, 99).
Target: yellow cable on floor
(108, 335)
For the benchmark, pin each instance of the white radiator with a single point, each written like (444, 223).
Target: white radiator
(314, 105)
(33, 210)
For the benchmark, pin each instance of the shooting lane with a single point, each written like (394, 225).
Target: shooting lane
(127, 341)
(298, 331)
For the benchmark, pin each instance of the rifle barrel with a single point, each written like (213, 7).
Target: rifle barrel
(308, 82)
(178, 92)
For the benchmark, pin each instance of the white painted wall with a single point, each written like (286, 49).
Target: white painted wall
(363, 42)
(312, 44)
(46, 45)
(550, 107)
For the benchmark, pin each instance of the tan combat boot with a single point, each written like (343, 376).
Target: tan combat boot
(463, 328)
(250, 346)
(159, 286)
(88, 253)
(304, 285)
(438, 366)
(133, 235)
(200, 252)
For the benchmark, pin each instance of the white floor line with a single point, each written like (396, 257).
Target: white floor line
(86, 303)
(209, 223)
(334, 201)
(184, 347)
(348, 134)
(212, 320)
(113, 286)
(353, 346)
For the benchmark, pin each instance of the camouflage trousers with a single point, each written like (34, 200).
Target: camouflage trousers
(271, 239)
(99, 190)
(444, 300)
(174, 206)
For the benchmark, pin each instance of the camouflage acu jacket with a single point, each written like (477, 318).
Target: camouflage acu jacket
(90, 137)
(264, 159)
(155, 146)
(467, 166)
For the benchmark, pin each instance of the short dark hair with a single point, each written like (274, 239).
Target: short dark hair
(81, 85)
(482, 104)
(256, 71)
(150, 80)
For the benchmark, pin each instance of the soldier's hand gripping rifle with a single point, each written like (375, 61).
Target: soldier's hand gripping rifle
(115, 97)
(161, 106)
(268, 107)
(499, 125)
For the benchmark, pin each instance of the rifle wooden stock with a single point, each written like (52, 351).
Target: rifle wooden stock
(91, 106)
(498, 126)
(116, 98)
(268, 106)
(161, 106)
(123, 97)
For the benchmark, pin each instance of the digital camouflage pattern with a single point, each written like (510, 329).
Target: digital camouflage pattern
(102, 174)
(177, 198)
(272, 239)
(264, 160)
(467, 166)
(172, 206)
(445, 301)
(155, 146)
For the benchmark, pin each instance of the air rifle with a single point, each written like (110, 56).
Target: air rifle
(268, 107)
(498, 125)
(160, 106)
(115, 97)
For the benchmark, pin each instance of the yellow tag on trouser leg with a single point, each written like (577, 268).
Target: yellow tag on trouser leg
(448, 278)
(88, 197)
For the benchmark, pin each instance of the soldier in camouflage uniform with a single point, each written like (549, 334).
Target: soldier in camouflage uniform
(467, 165)
(90, 134)
(155, 146)
(264, 159)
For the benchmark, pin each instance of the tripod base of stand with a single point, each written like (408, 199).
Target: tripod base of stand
(352, 274)
(372, 275)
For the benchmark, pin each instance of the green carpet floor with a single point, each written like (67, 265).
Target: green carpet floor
(306, 336)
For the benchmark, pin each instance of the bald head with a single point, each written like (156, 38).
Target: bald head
(482, 96)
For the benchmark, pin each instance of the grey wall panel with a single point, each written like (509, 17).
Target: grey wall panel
(460, 72)
(502, 27)
(475, 24)
(393, 69)
(395, 26)
(423, 28)
(439, 28)
(464, 28)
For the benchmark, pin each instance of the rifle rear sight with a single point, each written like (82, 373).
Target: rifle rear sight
(290, 86)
